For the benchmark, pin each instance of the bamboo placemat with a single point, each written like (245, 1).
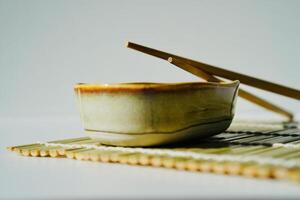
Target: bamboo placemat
(260, 150)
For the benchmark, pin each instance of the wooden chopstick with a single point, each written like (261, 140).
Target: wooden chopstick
(255, 82)
(242, 93)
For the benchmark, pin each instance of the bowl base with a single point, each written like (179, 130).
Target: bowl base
(153, 139)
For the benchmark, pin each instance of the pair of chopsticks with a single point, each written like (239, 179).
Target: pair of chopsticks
(208, 73)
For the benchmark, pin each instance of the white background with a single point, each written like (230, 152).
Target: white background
(48, 46)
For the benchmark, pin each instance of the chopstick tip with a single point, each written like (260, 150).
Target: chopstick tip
(127, 43)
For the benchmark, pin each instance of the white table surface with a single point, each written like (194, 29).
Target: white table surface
(26, 177)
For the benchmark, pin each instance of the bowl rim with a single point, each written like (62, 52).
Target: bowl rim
(152, 86)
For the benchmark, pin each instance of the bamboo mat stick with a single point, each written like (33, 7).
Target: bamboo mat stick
(242, 93)
(255, 82)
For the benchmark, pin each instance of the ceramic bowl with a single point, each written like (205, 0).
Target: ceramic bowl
(145, 114)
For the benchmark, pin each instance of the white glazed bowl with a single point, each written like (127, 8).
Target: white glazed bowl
(145, 114)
